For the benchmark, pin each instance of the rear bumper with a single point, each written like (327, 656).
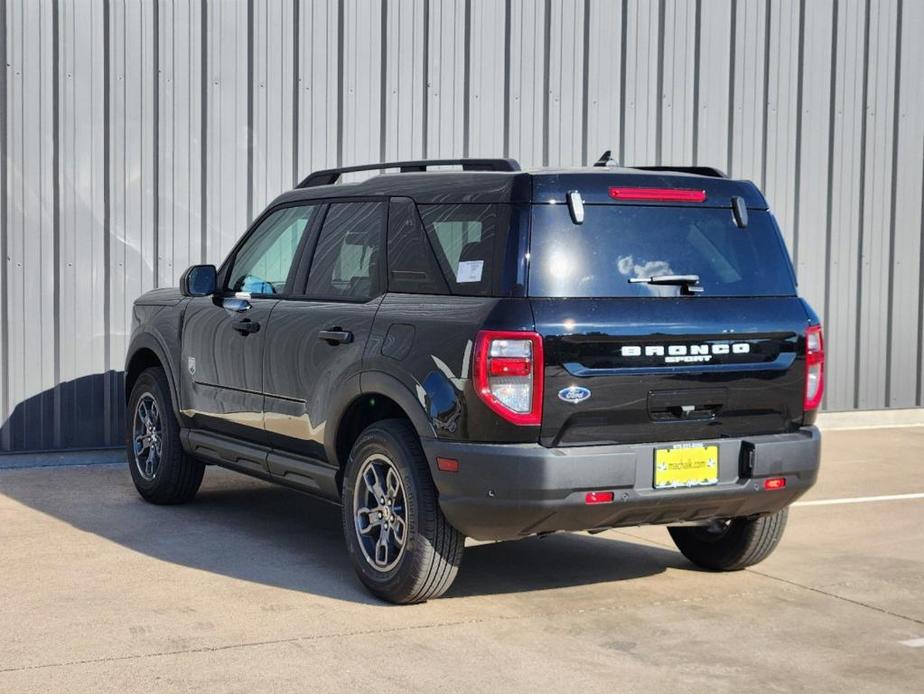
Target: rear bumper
(504, 491)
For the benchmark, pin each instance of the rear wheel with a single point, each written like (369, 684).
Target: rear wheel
(402, 547)
(732, 544)
(162, 471)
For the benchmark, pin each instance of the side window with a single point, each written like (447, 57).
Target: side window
(262, 264)
(348, 260)
(467, 239)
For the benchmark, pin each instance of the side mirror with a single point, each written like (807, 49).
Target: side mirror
(199, 280)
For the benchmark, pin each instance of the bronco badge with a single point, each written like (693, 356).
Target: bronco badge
(574, 394)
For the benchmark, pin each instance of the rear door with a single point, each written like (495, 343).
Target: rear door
(630, 362)
(316, 339)
(224, 335)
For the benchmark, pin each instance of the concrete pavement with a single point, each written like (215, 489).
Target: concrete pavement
(249, 589)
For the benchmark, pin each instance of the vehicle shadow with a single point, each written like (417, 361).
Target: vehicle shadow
(254, 531)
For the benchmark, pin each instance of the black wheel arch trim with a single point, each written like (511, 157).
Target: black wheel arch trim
(389, 386)
(150, 341)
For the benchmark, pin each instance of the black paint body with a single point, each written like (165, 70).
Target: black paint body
(278, 401)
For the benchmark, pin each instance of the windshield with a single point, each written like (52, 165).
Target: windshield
(617, 243)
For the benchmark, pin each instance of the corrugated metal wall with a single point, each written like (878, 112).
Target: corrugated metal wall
(140, 137)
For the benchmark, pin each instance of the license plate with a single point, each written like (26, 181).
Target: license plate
(686, 466)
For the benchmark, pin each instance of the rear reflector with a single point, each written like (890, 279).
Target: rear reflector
(775, 483)
(658, 194)
(447, 464)
(599, 497)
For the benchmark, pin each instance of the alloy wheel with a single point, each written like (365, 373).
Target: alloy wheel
(147, 436)
(380, 513)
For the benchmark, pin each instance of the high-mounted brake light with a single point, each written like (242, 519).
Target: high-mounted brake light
(814, 368)
(658, 194)
(507, 373)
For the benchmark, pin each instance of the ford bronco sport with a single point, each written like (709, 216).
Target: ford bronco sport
(493, 353)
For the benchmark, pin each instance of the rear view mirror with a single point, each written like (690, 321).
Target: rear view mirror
(199, 280)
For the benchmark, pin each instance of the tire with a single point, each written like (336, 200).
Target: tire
(173, 477)
(740, 543)
(427, 561)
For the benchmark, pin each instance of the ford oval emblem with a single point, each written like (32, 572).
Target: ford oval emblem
(574, 394)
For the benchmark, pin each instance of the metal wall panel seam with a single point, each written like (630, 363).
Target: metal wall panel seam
(861, 204)
(697, 50)
(797, 174)
(766, 100)
(155, 178)
(110, 404)
(383, 79)
(829, 201)
(56, 219)
(890, 291)
(4, 230)
(659, 85)
(507, 41)
(920, 376)
(623, 40)
(585, 84)
(546, 68)
(296, 86)
(203, 135)
(249, 110)
(466, 77)
(340, 86)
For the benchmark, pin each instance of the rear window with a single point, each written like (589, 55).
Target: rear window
(619, 242)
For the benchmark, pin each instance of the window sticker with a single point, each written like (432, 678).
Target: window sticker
(469, 271)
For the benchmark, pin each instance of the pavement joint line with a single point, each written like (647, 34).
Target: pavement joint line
(796, 584)
(364, 632)
(861, 499)
(858, 603)
(913, 643)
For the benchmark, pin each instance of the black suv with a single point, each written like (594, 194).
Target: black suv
(493, 353)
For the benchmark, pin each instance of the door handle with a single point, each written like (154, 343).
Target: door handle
(245, 326)
(336, 336)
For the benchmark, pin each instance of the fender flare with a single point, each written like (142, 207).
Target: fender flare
(148, 340)
(347, 392)
(373, 383)
(389, 386)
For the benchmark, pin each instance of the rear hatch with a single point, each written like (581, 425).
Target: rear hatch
(630, 362)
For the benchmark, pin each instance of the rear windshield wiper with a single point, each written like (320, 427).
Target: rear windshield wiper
(689, 284)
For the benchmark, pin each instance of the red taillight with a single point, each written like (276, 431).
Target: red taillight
(507, 374)
(509, 366)
(659, 194)
(775, 483)
(599, 497)
(814, 368)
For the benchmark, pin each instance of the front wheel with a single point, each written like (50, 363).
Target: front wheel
(162, 471)
(402, 547)
(733, 544)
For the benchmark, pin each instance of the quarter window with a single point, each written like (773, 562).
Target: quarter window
(467, 238)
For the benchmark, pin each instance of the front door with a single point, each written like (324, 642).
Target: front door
(224, 335)
(317, 339)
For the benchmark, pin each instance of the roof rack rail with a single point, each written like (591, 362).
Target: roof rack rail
(698, 170)
(329, 176)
